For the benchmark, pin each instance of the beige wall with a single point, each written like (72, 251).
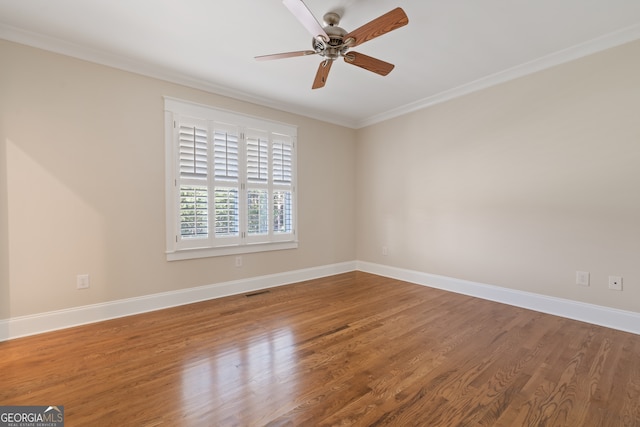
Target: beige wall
(4, 228)
(82, 167)
(518, 185)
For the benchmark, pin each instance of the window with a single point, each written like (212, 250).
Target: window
(230, 182)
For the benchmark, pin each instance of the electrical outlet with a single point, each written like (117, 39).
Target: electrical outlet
(238, 261)
(82, 281)
(615, 283)
(582, 278)
(385, 251)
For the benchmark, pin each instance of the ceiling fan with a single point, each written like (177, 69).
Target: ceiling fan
(332, 42)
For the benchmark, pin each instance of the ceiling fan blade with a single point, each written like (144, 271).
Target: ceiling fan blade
(379, 26)
(322, 74)
(306, 18)
(368, 63)
(285, 55)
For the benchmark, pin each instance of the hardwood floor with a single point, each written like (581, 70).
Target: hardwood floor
(353, 349)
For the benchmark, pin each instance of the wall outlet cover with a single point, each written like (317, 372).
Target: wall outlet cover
(615, 283)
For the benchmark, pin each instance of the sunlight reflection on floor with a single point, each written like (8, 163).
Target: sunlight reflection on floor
(218, 381)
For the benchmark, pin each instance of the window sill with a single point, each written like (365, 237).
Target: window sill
(195, 253)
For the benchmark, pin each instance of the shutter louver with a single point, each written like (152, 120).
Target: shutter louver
(193, 152)
(282, 162)
(227, 213)
(257, 159)
(258, 212)
(225, 148)
(194, 212)
(282, 212)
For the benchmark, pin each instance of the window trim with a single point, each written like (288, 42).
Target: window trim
(173, 110)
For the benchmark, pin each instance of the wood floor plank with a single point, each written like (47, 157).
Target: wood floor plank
(352, 349)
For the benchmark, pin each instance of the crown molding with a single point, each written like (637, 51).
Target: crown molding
(63, 47)
(590, 47)
(55, 45)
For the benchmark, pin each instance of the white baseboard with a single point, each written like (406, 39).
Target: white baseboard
(45, 322)
(50, 321)
(627, 321)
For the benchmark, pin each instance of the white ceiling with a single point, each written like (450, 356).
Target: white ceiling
(447, 49)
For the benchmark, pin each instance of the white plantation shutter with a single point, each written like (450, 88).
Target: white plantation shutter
(230, 182)
(282, 161)
(227, 211)
(257, 158)
(283, 202)
(282, 212)
(193, 210)
(258, 212)
(193, 152)
(257, 194)
(225, 147)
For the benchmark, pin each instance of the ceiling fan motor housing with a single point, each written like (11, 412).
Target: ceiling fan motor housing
(335, 46)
